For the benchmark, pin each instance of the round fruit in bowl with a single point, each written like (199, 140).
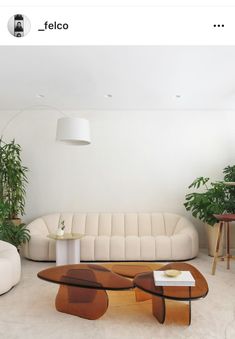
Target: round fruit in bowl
(172, 273)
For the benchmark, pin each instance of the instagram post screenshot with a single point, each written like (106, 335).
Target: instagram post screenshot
(117, 169)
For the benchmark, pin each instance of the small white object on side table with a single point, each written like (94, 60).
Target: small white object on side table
(185, 278)
(67, 248)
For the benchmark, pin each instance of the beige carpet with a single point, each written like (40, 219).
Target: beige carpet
(28, 311)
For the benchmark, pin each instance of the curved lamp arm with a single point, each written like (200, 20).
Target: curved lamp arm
(72, 130)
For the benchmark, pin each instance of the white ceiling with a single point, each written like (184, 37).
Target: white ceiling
(138, 78)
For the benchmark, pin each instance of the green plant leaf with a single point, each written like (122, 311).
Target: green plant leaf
(217, 198)
(13, 178)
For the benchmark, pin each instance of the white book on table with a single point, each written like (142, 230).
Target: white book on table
(185, 278)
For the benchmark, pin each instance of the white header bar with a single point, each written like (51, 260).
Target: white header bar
(122, 26)
(134, 3)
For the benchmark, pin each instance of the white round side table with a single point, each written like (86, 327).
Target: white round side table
(67, 248)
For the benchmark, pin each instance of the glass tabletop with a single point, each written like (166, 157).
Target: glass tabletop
(130, 270)
(145, 282)
(86, 276)
(65, 236)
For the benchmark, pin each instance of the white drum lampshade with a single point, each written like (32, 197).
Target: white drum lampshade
(74, 130)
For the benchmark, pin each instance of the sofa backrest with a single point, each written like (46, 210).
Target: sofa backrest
(112, 224)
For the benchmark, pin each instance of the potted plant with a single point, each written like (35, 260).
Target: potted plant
(212, 198)
(60, 229)
(16, 235)
(13, 180)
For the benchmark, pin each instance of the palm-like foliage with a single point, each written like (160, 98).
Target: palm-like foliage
(16, 235)
(212, 198)
(13, 178)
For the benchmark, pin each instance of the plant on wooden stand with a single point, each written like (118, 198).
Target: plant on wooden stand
(212, 198)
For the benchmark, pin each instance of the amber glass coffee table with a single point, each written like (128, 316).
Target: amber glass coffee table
(159, 294)
(83, 287)
(82, 290)
(173, 303)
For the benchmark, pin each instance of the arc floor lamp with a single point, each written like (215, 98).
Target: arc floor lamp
(69, 129)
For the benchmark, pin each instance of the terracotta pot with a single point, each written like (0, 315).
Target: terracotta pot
(212, 233)
(16, 221)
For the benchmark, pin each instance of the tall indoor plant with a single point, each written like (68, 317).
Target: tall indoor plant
(212, 198)
(13, 179)
(13, 182)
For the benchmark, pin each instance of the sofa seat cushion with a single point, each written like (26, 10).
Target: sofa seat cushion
(118, 248)
(131, 248)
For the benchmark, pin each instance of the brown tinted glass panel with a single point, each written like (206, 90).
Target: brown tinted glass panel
(130, 270)
(86, 275)
(159, 308)
(83, 302)
(145, 281)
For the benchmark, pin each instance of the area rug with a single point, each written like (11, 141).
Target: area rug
(28, 311)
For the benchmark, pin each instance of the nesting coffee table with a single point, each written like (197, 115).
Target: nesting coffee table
(159, 294)
(82, 290)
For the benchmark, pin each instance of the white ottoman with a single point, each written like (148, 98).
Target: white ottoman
(10, 266)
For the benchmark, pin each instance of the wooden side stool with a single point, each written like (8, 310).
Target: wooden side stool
(224, 223)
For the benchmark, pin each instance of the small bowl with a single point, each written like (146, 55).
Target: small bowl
(172, 273)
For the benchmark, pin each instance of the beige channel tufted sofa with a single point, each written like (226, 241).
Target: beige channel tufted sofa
(10, 266)
(117, 236)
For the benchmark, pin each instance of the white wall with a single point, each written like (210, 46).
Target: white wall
(138, 161)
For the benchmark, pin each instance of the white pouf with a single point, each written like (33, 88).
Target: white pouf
(10, 266)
